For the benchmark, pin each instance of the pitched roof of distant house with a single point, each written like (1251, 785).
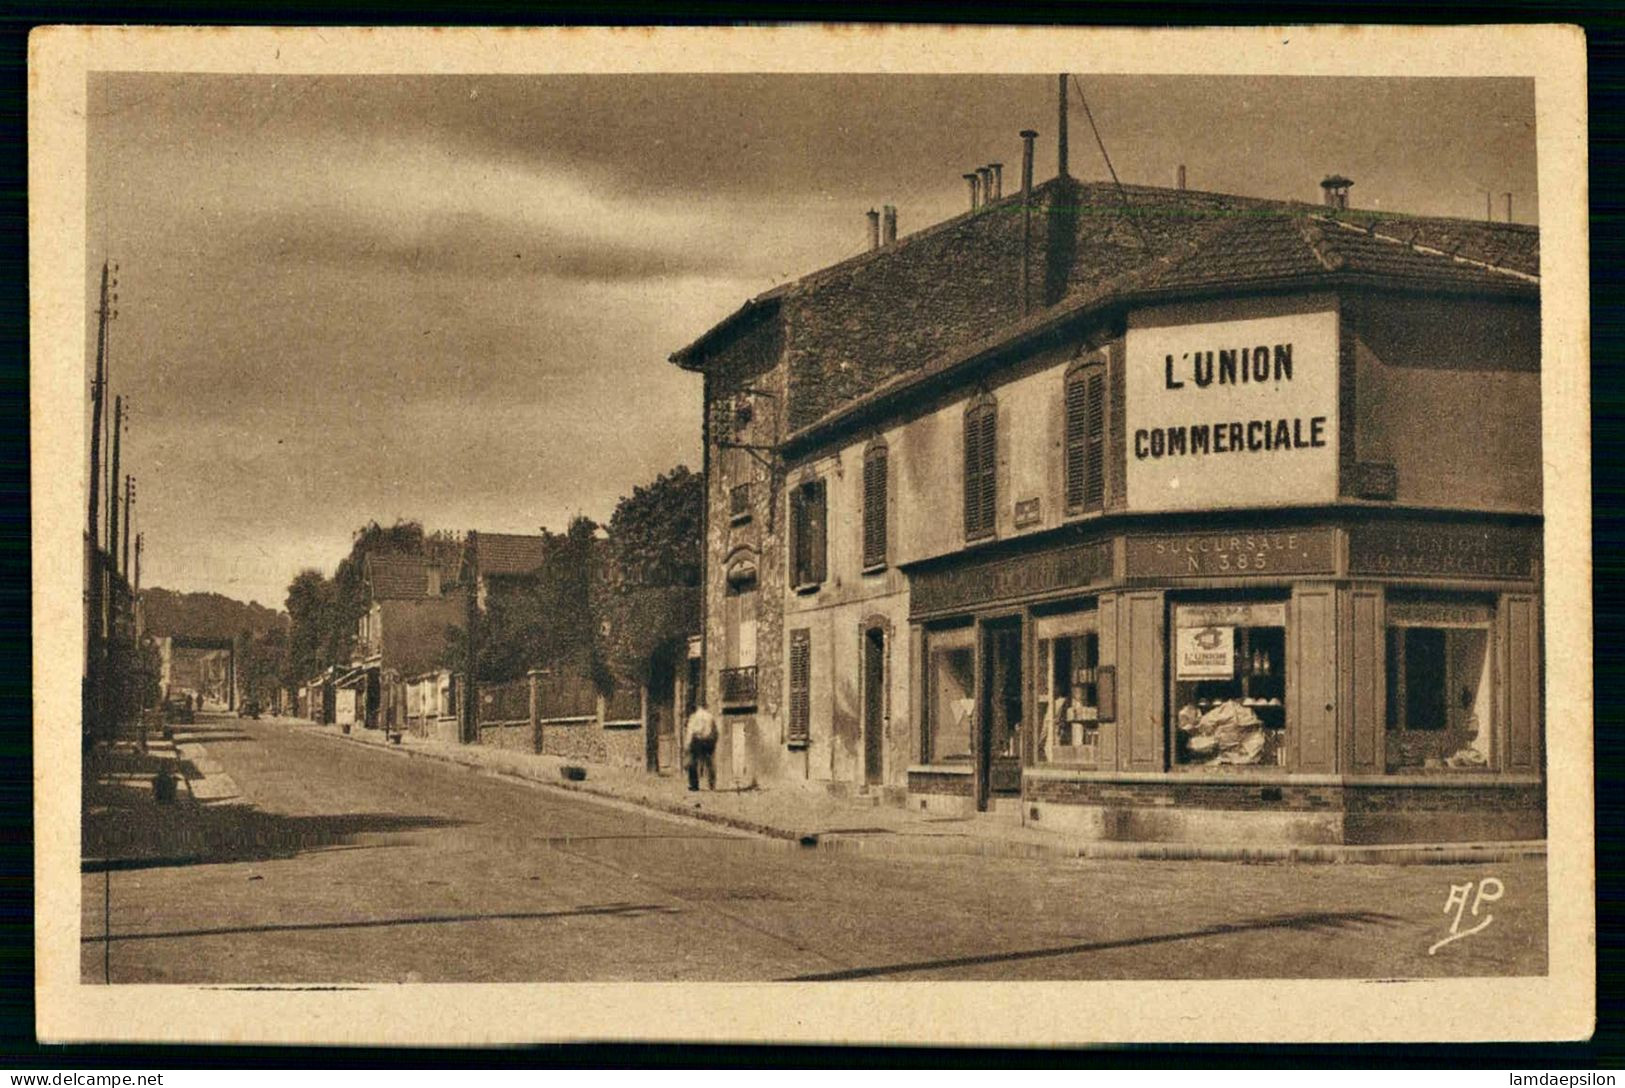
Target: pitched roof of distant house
(892, 316)
(397, 577)
(510, 553)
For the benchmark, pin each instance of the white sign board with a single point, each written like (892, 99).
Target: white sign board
(1232, 413)
(344, 706)
(1205, 653)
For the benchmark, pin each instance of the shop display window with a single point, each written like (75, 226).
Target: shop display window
(1068, 711)
(951, 702)
(1229, 671)
(1439, 686)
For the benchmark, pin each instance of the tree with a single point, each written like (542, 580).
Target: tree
(655, 532)
(310, 613)
(648, 596)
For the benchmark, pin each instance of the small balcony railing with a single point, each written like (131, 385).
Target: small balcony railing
(739, 688)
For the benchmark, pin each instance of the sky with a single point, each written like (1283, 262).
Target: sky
(452, 298)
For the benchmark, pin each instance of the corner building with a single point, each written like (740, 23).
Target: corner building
(1152, 515)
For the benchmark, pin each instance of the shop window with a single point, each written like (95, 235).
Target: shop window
(981, 464)
(1086, 436)
(1439, 686)
(874, 507)
(951, 698)
(1229, 680)
(807, 534)
(1068, 712)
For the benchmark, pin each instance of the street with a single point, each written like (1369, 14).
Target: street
(350, 864)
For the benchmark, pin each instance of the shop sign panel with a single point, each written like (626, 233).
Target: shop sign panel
(1448, 551)
(1232, 413)
(1005, 578)
(1229, 554)
(1205, 653)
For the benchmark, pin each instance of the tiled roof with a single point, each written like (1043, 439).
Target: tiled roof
(397, 577)
(890, 316)
(510, 553)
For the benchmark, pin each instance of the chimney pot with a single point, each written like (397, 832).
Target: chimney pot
(874, 229)
(985, 173)
(1336, 188)
(1027, 137)
(1181, 175)
(890, 221)
(998, 180)
(971, 180)
(1061, 125)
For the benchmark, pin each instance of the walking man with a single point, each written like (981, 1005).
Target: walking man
(699, 747)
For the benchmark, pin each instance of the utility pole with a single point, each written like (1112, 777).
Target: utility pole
(138, 623)
(129, 516)
(112, 491)
(97, 396)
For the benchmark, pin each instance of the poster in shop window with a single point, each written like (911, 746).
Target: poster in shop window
(1231, 413)
(1205, 653)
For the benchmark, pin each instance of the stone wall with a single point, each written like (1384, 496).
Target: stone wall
(512, 736)
(581, 739)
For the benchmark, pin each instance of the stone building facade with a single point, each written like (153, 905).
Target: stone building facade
(1144, 513)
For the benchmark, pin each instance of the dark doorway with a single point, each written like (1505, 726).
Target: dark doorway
(874, 704)
(998, 755)
(659, 709)
(373, 695)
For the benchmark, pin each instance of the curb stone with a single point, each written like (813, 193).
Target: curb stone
(906, 845)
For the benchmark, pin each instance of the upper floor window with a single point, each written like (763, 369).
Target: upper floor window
(1086, 435)
(807, 534)
(874, 506)
(739, 503)
(981, 462)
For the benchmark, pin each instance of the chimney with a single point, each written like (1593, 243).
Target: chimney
(1336, 189)
(874, 229)
(1181, 175)
(1027, 138)
(1509, 207)
(998, 180)
(890, 225)
(970, 180)
(1060, 143)
(986, 174)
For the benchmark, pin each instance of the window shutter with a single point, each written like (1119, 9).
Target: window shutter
(816, 531)
(874, 507)
(798, 537)
(1077, 425)
(981, 464)
(988, 450)
(973, 460)
(800, 684)
(1094, 474)
(1086, 439)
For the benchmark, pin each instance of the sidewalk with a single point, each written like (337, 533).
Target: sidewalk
(813, 817)
(123, 823)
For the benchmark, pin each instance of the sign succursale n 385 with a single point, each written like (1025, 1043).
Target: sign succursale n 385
(1227, 554)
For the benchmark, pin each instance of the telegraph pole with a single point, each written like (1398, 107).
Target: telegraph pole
(112, 491)
(129, 516)
(97, 397)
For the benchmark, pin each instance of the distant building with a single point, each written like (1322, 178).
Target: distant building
(1140, 513)
(401, 633)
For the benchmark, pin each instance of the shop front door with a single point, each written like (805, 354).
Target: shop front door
(1000, 715)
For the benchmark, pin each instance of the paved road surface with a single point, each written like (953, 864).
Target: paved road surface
(359, 865)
